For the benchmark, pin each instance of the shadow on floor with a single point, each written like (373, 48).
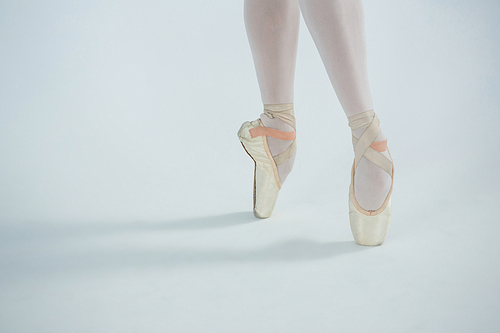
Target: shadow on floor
(57, 249)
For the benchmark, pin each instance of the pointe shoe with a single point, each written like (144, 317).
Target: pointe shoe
(253, 136)
(369, 227)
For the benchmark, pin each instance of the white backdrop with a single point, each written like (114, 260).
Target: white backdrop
(125, 196)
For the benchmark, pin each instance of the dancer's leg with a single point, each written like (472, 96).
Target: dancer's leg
(337, 27)
(273, 29)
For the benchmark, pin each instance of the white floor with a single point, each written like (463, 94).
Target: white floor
(125, 196)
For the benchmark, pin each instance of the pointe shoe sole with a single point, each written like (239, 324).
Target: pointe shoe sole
(369, 227)
(266, 180)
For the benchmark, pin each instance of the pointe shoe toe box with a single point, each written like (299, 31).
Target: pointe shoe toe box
(369, 230)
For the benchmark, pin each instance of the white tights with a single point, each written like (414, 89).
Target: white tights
(337, 28)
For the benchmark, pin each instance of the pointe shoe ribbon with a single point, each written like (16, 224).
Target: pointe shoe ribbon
(274, 133)
(277, 134)
(366, 145)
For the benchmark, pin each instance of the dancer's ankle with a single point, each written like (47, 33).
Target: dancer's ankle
(282, 118)
(283, 112)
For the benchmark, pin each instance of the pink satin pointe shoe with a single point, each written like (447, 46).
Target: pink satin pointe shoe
(253, 135)
(369, 227)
